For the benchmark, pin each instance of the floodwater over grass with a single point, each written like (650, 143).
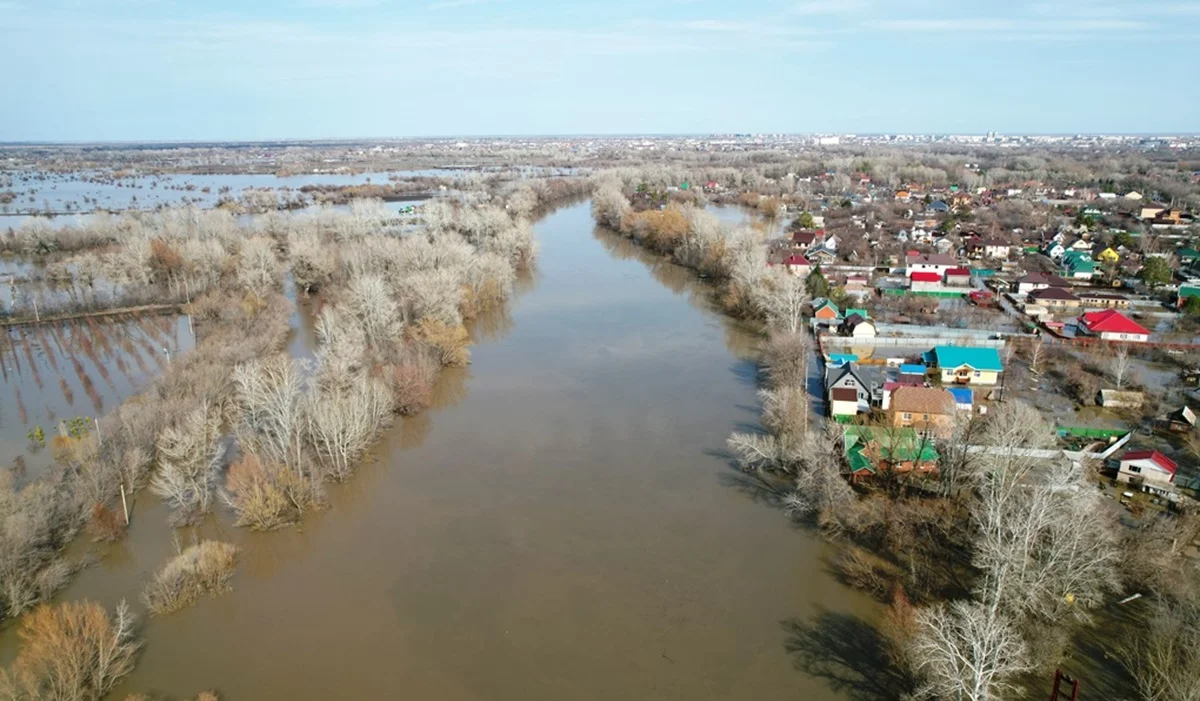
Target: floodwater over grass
(57, 377)
(562, 524)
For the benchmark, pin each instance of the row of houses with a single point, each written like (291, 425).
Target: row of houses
(906, 395)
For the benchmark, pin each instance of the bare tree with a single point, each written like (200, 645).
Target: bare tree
(1163, 655)
(784, 299)
(1120, 364)
(372, 304)
(967, 651)
(258, 268)
(821, 488)
(189, 459)
(1036, 357)
(269, 395)
(342, 421)
(609, 205)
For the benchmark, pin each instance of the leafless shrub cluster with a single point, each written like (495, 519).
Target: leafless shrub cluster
(36, 522)
(200, 570)
(74, 651)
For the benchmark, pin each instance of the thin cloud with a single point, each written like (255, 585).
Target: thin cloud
(828, 7)
(451, 4)
(967, 25)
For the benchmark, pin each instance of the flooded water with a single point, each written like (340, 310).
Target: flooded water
(76, 370)
(562, 525)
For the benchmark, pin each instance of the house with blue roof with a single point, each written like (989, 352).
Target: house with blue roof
(967, 366)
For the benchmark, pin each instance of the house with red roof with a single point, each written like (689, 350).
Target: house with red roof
(925, 282)
(797, 265)
(1112, 325)
(1149, 470)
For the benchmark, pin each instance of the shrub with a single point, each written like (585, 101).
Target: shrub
(204, 568)
(450, 344)
(267, 496)
(70, 652)
(105, 524)
(412, 382)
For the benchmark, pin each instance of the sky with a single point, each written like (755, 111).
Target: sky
(129, 70)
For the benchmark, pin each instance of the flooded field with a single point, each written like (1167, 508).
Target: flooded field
(60, 376)
(563, 524)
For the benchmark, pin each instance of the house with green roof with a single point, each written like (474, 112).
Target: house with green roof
(1078, 265)
(967, 366)
(1186, 292)
(1188, 255)
(870, 451)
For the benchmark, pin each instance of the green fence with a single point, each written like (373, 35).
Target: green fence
(1081, 432)
(924, 293)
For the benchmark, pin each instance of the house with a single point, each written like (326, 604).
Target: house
(843, 403)
(938, 207)
(903, 195)
(846, 377)
(821, 255)
(1151, 212)
(1078, 265)
(925, 282)
(996, 248)
(858, 326)
(1054, 250)
(1119, 399)
(797, 265)
(926, 409)
(964, 398)
(870, 451)
(929, 263)
(1133, 195)
(959, 277)
(825, 312)
(1108, 255)
(856, 286)
(1053, 297)
(973, 247)
(1036, 281)
(802, 240)
(1104, 300)
(1148, 470)
(1186, 292)
(1188, 255)
(1112, 325)
(967, 366)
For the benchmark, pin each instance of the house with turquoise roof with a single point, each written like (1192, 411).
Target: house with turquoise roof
(1078, 265)
(960, 365)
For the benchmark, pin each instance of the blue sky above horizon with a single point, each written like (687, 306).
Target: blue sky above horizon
(229, 69)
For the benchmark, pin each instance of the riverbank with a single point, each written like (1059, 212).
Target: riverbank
(560, 523)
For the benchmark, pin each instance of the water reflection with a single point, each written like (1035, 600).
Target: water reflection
(81, 368)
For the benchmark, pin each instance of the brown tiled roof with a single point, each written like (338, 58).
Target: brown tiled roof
(1053, 293)
(922, 400)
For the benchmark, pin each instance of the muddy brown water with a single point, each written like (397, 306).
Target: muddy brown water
(562, 525)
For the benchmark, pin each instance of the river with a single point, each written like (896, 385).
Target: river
(563, 524)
